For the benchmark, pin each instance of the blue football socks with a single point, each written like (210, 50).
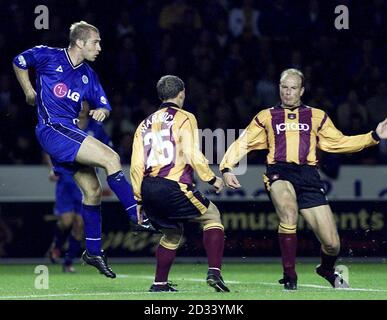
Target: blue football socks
(123, 190)
(92, 221)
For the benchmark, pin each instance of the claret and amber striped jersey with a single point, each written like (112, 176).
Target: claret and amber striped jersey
(166, 144)
(292, 136)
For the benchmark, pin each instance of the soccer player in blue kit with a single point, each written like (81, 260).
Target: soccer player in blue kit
(63, 81)
(68, 201)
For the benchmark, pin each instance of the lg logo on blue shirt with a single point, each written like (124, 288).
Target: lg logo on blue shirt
(61, 90)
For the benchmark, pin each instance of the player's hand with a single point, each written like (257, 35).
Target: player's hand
(31, 97)
(218, 184)
(99, 114)
(140, 217)
(52, 176)
(231, 180)
(381, 129)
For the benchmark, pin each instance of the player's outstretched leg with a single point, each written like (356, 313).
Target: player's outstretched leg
(93, 255)
(100, 262)
(288, 244)
(165, 255)
(213, 240)
(164, 261)
(88, 182)
(323, 224)
(327, 270)
(105, 157)
(123, 190)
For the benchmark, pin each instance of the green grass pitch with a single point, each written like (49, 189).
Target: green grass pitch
(250, 281)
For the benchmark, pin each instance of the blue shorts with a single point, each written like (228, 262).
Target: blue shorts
(62, 142)
(68, 196)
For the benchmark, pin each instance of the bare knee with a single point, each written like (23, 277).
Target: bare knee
(112, 162)
(77, 230)
(65, 221)
(331, 248)
(288, 214)
(92, 195)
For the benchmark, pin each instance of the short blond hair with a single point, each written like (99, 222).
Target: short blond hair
(81, 31)
(293, 72)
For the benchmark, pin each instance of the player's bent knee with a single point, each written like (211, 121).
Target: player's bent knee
(113, 162)
(332, 248)
(171, 238)
(66, 221)
(289, 210)
(92, 195)
(64, 224)
(170, 241)
(211, 218)
(288, 215)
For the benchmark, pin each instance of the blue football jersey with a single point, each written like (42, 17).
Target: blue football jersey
(61, 86)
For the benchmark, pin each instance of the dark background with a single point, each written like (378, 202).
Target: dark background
(231, 70)
(250, 230)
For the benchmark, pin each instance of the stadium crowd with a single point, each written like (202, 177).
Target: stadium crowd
(229, 53)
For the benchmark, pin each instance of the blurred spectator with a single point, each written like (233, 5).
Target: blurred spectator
(127, 61)
(376, 105)
(314, 21)
(246, 103)
(244, 19)
(173, 14)
(124, 25)
(222, 36)
(267, 87)
(219, 47)
(320, 100)
(213, 11)
(124, 148)
(5, 92)
(120, 120)
(24, 150)
(276, 20)
(348, 109)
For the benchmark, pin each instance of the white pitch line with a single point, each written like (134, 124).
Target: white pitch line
(34, 296)
(327, 287)
(270, 284)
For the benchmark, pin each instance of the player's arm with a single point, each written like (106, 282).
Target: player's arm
(99, 114)
(96, 97)
(137, 165)
(253, 138)
(194, 157)
(21, 64)
(47, 160)
(333, 140)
